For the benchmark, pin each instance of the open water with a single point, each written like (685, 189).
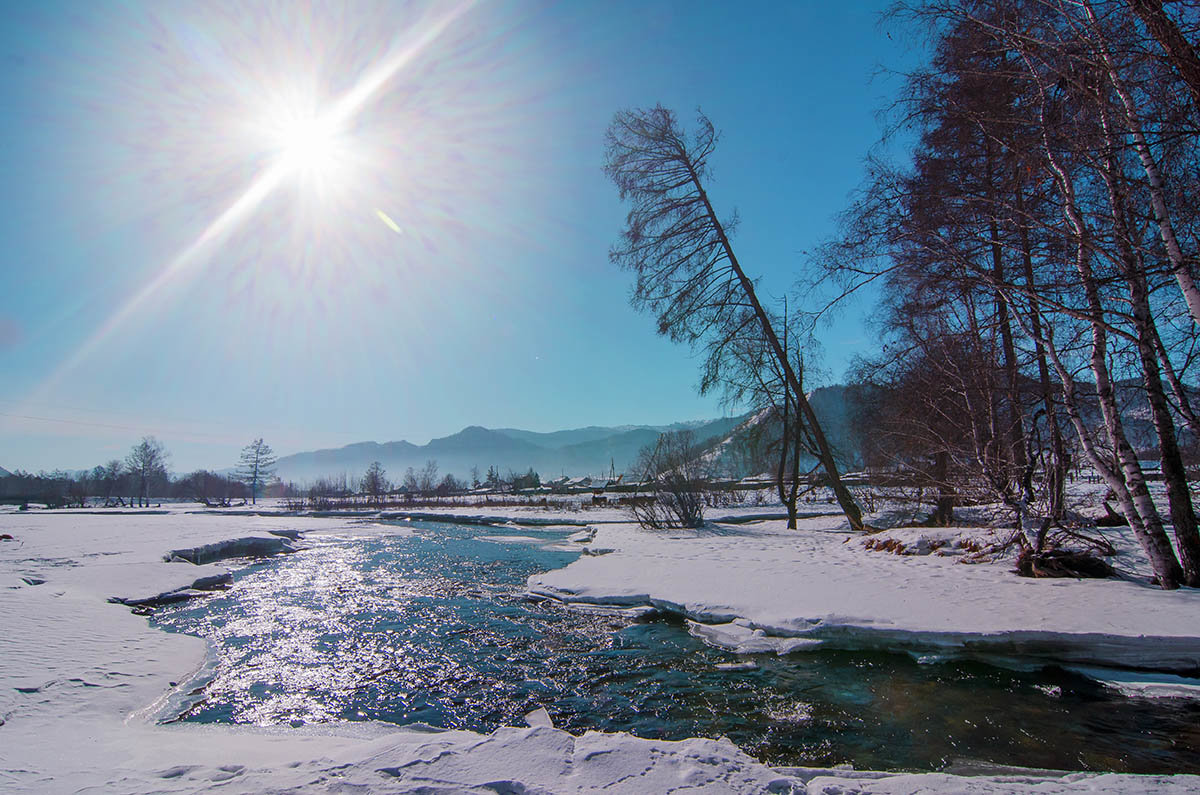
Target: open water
(432, 627)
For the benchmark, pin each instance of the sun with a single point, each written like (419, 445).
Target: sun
(315, 151)
(309, 145)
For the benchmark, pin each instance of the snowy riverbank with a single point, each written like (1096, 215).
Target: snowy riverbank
(82, 679)
(760, 586)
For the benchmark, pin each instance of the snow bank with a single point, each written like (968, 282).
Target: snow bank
(247, 547)
(820, 584)
(81, 681)
(1002, 785)
(1142, 684)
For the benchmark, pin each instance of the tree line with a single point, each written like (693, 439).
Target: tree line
(423, 484)
(143, 474)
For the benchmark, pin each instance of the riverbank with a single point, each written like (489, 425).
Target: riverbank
(82, 680)
(759, 587)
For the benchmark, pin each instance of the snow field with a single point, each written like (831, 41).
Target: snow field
(83, 680)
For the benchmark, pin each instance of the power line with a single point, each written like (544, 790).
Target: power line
(70, 422)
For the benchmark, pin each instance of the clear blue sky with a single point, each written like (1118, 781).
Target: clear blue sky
(434, 256)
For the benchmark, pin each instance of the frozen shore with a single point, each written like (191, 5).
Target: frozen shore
(83, 680)
(760, 586)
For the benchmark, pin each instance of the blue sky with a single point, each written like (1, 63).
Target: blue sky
(440, 261)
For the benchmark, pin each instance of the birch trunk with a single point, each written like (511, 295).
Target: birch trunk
(1130, 486)
(1056, 472)
(1155, 183)
(1183, 514)
(1014, 426)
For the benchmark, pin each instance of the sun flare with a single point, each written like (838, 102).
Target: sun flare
(309, 146)
(293, 132)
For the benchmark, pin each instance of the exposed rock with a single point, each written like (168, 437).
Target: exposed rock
(1111, 518)
(294, 535)
(145, 605)
(1062, 563)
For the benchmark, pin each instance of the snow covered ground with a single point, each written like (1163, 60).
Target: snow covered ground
(83, 680)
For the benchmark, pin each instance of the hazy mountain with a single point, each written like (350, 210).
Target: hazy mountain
(4, 472)
(557, 440)
(626, 446)
(744, 448)
(736, 445)
(348, 459)
(474, 438)
(580, 451)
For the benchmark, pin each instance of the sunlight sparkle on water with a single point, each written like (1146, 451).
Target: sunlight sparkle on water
(431, 627)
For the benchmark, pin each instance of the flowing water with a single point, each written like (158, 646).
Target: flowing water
(431, 627)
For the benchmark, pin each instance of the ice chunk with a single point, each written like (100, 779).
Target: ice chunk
(584, 536)
(1143, 684)
(737, 666)
(539, 717)
(741, 639)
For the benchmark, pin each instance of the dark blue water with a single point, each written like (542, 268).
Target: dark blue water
(432, 628)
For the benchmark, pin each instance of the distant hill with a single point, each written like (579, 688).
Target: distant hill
(581, 451)
(744, 448)
(4, 472)
(744, 451)
(735, 446)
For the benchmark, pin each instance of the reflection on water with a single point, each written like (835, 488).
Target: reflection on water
(432, 628)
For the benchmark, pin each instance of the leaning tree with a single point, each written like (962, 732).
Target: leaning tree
(686, 271)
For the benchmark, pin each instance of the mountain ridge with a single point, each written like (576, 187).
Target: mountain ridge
(588, 450)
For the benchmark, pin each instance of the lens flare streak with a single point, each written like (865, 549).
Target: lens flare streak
(388, 222)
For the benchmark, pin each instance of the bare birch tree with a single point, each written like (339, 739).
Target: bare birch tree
(1180, 52)
(1047, 183)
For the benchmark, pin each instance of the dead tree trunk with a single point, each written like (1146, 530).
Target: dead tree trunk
(1056, 469)
(808, 416)
(687, 269)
